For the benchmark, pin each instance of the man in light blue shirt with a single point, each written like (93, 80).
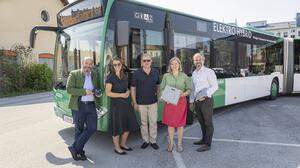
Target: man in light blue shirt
(88, 85)
(204, 85)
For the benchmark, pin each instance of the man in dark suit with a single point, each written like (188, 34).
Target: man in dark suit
(81, 85)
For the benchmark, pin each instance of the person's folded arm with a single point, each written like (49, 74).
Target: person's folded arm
(109, 93)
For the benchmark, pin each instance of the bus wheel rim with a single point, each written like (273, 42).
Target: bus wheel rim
(274, 89)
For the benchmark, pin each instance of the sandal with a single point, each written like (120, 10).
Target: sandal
(179, 148)
(170, 148)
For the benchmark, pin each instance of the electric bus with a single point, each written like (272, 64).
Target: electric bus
(249, 64)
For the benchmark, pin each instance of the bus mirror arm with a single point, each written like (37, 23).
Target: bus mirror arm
(34, 31)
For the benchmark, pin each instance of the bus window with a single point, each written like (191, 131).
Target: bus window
(150, 42)
(224, 58)
(75, 43)
(186, 46)
(244, 57)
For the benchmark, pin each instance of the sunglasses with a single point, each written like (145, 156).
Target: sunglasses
(146, 60)
(115, 65)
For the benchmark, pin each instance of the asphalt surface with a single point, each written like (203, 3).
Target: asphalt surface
(255, 134)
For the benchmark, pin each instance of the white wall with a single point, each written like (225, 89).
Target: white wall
(18, 17)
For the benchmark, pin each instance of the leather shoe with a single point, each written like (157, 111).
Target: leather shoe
(127, 149)
(73, 153)
(145, 145)
(154, 146)
(203, 148)
(120, 153)
(82, 155)
(200, 142)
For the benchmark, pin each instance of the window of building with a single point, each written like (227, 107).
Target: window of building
(278, 34)
(299, 33)
(45, 16)
(293, 30)
(292, 36)
(285, 34)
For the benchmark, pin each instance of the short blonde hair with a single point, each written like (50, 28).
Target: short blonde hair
(170, 62)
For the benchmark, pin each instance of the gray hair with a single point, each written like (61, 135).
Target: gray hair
(87, 58)
(201, 55)
(170, 62)
(145, 55)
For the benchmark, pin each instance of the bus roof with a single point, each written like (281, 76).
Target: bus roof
(198, 17)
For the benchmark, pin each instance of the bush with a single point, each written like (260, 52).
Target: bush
(13, 73)
(38, 77)
(6, 86)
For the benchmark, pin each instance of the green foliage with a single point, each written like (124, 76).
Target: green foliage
(38, 77)
(21, 75)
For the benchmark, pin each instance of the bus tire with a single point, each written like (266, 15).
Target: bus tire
(273, 90)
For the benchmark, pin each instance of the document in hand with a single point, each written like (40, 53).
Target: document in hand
(201, 94)
(171, 95)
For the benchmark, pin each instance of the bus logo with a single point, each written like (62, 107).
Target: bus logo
(148, 18)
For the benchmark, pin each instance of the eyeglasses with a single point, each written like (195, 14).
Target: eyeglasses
(115, 65)
(146, 60)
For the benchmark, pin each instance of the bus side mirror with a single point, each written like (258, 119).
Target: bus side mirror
(122, 33)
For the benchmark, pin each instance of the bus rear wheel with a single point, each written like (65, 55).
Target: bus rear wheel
(273, 90)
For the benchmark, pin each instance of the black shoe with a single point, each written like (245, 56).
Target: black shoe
(73, 153)
(203, 148)
(82, 155)
(200, 142)
(120, 153)
(127, 149)
(154, 146)
(145, 145)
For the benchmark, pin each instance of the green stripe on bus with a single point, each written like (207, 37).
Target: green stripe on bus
(219, 95)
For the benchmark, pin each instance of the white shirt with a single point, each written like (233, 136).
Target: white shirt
(203, 78)
(88, 85)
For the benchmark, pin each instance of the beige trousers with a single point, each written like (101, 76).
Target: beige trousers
(148, 112)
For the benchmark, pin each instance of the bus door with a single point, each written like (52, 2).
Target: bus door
(288, 75)
(296, 65)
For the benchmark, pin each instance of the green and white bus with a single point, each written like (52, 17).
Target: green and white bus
(249, 64)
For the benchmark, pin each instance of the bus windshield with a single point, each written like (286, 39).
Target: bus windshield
(74, 44)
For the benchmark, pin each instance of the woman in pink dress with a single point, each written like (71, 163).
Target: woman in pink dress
(175, 115)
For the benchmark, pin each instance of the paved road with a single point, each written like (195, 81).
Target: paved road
(259, 133)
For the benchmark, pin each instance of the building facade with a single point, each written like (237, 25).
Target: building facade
(289, 29)
(17, 19)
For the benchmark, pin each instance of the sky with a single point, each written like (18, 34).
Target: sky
(229, 11)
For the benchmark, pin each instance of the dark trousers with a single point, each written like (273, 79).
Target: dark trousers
(85, 120)
(204, 111)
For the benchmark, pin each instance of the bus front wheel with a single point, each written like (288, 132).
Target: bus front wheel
(273, 90)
